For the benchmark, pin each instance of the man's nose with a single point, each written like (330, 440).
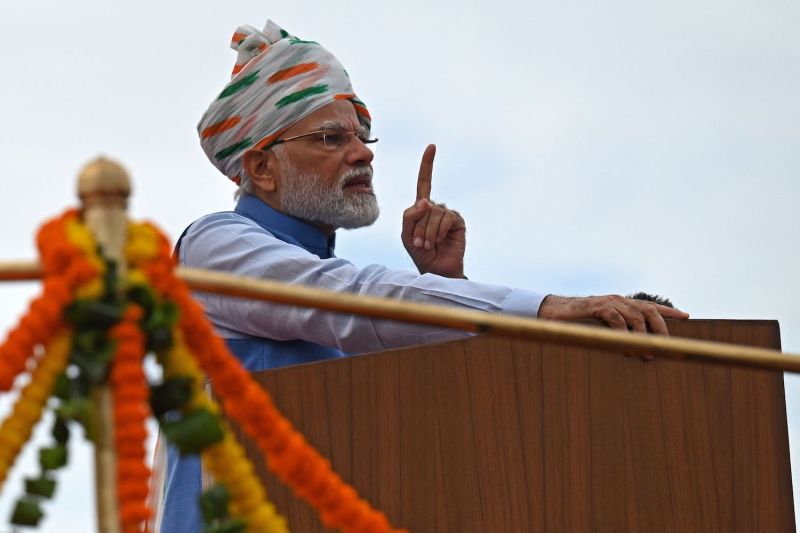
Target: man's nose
(359, 153)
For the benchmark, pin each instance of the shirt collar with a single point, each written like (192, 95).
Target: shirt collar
(286, 227)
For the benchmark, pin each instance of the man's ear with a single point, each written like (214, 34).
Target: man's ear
(260, 165)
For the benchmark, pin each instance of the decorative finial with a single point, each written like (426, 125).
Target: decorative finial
(104, 181)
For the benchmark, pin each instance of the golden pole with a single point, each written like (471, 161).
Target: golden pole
(480, 322)
(104, 187)
(20, 271)
(544, 330)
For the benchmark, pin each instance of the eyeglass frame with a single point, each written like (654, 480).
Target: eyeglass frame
(323, 132)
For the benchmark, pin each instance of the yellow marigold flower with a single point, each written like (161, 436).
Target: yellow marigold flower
(202, 401)
(27, 410)
(80, 236)
(142, 244)
(179, 360)
(137, 277)
(240, 475)
(10, 439)
(53, 365)
(225, 460)
(36, 392)
(251, 496)
(141, 230)
(138, 251)
(97, 262)
(266, 518)
(16, 429)
(179, 369)
(227, 463)
(91, 290)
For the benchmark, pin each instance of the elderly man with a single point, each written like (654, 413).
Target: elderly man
(290, 131)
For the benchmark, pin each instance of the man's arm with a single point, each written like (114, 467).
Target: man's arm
(235, 244)
(435, 238)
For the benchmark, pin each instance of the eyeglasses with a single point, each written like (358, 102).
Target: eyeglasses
(331, 139)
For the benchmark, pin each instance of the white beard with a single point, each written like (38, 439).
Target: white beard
(304, 196)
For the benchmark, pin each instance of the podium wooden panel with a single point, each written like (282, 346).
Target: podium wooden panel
(501, 435)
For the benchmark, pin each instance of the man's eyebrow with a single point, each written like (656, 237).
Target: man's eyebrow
(336, 125)
(331, 125)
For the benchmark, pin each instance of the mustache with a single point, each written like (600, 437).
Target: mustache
(358, 172)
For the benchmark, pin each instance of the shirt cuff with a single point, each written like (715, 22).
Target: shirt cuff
(523, 302)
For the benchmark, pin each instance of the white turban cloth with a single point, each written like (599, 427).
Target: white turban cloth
(278, 79)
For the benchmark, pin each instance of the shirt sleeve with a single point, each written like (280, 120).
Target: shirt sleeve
(235, 244)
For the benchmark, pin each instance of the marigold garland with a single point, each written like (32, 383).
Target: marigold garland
(288, 454)
(226, 460)
(17, 427)
(65, 269)
(130, 393)
(74, 269)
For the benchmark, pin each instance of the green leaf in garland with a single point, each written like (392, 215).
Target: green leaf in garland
(194, 431)
(53, 458)
(60, 431)
(92, 352)
(79, 409)
(173, 394)
(62, 389)
(159, 339)
(235, 525)
(94, 314)
(43, 486)
(214, 503)
(26, 513)
(158, 326)
(170, 313)
(142, 296)
(110, 281)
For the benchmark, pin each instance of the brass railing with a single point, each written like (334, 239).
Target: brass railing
(474, 321)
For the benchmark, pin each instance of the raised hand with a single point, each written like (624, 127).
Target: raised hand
(433, 235)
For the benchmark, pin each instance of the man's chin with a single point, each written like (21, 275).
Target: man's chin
(360, 225)
(363, 218)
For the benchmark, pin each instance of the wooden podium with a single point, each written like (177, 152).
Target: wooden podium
(499, 435)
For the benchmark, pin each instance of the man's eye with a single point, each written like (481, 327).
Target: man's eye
(334, 139)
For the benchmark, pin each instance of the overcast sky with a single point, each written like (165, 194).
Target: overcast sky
(592, 147)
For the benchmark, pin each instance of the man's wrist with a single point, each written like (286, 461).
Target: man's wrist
(548, 309)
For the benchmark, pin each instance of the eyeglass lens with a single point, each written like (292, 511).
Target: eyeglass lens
(339, 138)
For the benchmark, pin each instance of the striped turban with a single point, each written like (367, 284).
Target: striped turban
(278, 79)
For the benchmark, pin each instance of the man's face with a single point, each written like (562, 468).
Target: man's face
(322, 184)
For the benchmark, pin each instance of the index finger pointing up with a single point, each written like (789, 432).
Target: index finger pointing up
(426, 173)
